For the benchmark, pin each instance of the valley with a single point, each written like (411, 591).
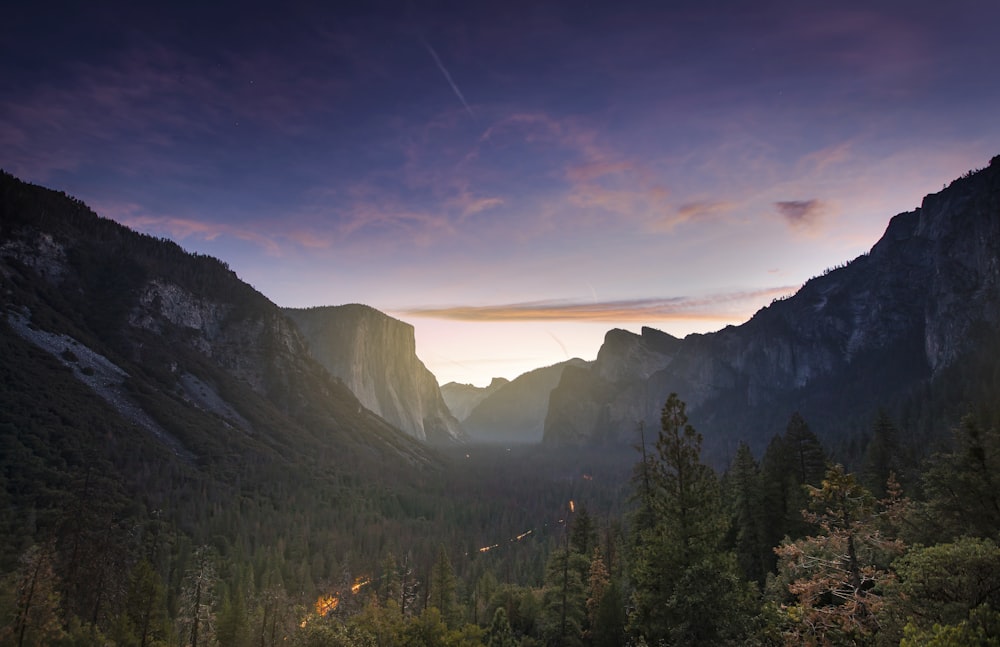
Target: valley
(184, 462)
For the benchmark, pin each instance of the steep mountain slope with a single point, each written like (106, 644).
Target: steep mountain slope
(515, 412)
(463, 398)
(181, 373)
(878, 332)
(375, 356)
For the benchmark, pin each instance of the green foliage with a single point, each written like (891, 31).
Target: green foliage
(687, 589)
(444, 589)
(943, 585)
(962, 487)
(499, 633)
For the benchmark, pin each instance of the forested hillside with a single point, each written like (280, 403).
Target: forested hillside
(177, 471)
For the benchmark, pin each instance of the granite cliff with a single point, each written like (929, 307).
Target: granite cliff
(463, 398)
(880, 332)
(174, 343)
(515, 411)
(375, 357)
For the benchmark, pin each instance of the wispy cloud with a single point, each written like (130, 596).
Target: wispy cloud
(709, 307)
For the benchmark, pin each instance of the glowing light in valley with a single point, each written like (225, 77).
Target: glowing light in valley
(486, 549)
(572, 507)
(326, 604)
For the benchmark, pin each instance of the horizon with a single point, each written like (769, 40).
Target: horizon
(513, 181)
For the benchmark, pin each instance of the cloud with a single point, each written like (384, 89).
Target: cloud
(722, 307)
(802, 215)
(699, 210)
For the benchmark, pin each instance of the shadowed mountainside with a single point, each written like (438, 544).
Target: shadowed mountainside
(887, 330)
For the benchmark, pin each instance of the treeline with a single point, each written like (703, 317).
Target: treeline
(787, 550)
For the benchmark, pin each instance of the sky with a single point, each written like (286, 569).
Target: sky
(514, 179)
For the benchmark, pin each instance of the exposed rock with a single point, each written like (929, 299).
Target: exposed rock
(375, 356)
(515, 412)
(176, 342)
(860, 337)
(463, 398)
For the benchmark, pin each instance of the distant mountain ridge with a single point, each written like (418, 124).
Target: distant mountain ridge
(881, 331)
(514, 411)
(463, 398)
(375, 356)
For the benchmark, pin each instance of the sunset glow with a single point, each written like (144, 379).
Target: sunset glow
(512, 179)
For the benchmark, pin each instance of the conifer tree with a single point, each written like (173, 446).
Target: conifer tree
(687, 587)
(835, 576)
(444, 589)
(750, 537)
(882, 455)
(499, 633)
(196, 613)
(37, 615)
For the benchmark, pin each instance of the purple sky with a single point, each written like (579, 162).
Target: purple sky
(512, 178)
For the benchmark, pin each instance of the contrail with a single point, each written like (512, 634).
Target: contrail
(458, 93)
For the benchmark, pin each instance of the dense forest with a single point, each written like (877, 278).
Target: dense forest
(287, 514)
(522, 546)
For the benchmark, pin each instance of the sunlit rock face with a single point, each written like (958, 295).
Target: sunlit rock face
(463, 398)
(870, 334)
(375, 356)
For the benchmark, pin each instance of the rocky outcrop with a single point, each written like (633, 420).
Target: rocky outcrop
(375, 356)
(463, 398)
(201, 361)
(866, 335)
(515, 412)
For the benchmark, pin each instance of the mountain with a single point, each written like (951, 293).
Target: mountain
(515, 411)
(910, 327)
(150, 378)
(375, 356)
(463, 398)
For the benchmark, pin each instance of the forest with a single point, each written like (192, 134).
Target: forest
(510, 546)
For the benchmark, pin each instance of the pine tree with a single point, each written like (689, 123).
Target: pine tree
(196, 614)
(444, 589)
(564, 598)
(145, 607)
(882, 455)
(687, 587)
(499, 633)
(835, 576)
(962, 487)
(750, 537)
(37, 615)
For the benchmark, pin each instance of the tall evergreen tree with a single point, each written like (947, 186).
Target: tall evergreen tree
(882, 455)
(962, 486)
(808, 457)
(687, 587)
(499, 633)
(196, 613)
(748, 516)
(37, 616)
(444, 589)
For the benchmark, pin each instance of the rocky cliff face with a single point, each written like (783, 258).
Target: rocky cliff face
(463, 398)
(375, 356)
(866, 335)
(200, 359)
(515, 412)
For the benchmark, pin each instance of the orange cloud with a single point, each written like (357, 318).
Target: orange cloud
(722, 307)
